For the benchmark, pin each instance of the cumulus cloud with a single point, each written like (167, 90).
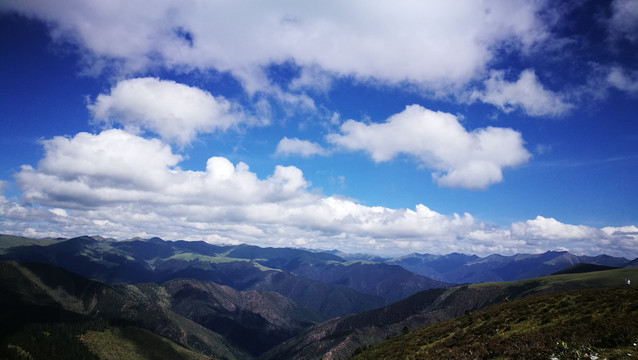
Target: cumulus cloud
(551, 229)
(119, 184)
(174, 111)
(471, 160)
(227, 203)
(295, 146)
(116, 167)
(580, 239)
(435, 45)
(526, 93)
(316, 222)
(74, 170)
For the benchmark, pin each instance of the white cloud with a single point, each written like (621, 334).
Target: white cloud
(280, 211)
(551, 229)
(78, 188)
(59, 212)
(579, 239)
(436, 45)
(74, 170)
(117, 167)
(119, 185)
(295, 146)
(314, 78)
(621, 239)
(631, 230)
(174, 111)
(623, 80)
(526, 93)
(472, 160)
(624, 19)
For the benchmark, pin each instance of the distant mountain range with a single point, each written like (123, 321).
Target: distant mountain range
(244, 302)
(320, 281)
(49, 313)
(459, 268)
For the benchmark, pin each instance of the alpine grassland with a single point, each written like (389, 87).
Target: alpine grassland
(572, 324)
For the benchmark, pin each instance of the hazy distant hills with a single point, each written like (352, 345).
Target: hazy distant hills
(459, 268)
(323, 281)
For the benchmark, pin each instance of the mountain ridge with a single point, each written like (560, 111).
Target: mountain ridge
(239, 302)
(349, 289)
(202, 316)
(156, 260)
(474, 269)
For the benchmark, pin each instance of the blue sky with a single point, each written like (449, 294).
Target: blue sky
(480, 127)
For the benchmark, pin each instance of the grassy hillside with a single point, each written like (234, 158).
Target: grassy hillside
(584, 268)
(339, 338)
(9, 241)
(132, 343)
(590, 279)
(573, 324)
(90, 339)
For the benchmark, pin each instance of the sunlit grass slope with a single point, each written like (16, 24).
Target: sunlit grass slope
(571, 324)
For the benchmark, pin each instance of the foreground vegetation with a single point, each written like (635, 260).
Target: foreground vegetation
(575, 324)
(93, 339)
